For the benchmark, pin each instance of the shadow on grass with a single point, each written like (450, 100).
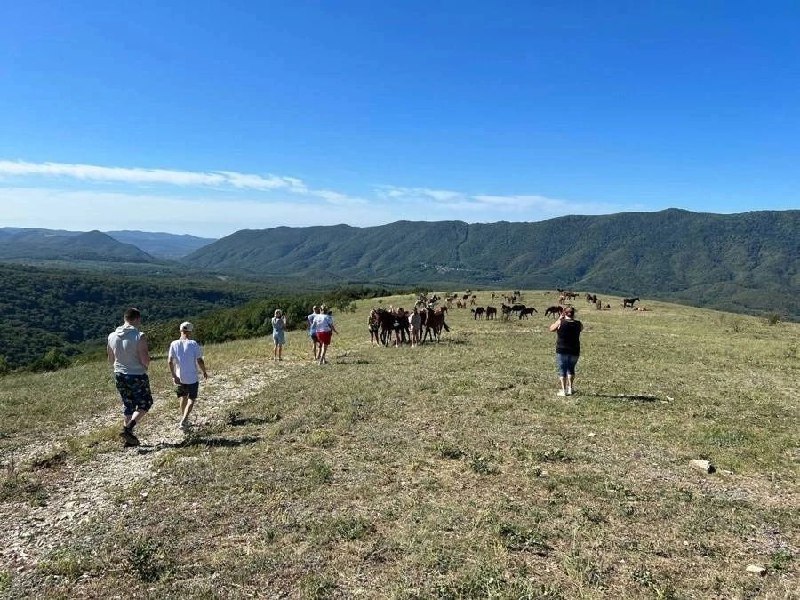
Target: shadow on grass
(198, 440)
(236, 420)
(637, 397)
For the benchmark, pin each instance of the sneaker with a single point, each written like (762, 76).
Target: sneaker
(185, 425)
(561, 393)
(128, 438)
(569, 391)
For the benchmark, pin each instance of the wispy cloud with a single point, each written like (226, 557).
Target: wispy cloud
(215, 203)
(196, 179)
(82, 210)
(471, 201)
(418, 193)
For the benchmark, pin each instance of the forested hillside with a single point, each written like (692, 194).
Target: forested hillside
(47, 315)
(45, 310)
(744, 262)
(161, 245)
(60, 244)
(42, 244)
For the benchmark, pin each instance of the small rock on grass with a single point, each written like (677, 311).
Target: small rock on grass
(757, 569)
(703, 465)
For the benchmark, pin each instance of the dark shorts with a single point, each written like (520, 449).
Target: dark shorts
(187, 389)
(565, 363)
(134, 391)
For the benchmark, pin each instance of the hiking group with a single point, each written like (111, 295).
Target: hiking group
(129, 353)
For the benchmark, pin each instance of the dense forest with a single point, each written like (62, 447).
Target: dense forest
(742, 262)
(48, 316)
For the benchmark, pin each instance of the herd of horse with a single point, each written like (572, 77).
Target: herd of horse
(386, 323)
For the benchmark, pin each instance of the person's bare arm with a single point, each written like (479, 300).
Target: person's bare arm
(202, 364)
(171, 363)
(144, 352)
(110, 354)
(557, 324)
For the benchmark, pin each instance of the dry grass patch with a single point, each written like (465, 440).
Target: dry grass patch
(451, 470)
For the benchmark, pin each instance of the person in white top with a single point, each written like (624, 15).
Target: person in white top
(185, 355)
(324, 328)
(278, 334)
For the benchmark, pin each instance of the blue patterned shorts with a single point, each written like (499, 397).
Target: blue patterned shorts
(134, 391)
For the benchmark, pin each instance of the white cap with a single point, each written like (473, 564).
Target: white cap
(186, 326)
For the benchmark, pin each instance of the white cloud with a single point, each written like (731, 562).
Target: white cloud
(196, 179)
(205, 216)
(217, 203)
(417, 193)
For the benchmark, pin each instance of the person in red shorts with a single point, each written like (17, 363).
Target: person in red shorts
(324, 328)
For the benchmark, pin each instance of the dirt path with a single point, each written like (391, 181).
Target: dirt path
(79, 493)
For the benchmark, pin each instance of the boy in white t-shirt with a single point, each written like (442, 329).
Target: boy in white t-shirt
(185, 355)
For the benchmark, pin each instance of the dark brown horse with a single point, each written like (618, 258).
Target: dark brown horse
(553, 310)
(433, 323)
(629, 302)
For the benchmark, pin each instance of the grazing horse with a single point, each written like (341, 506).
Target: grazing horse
(591, 298)
(528, 310)
(553, 310)
(477, 313)
(629, 302)
(491, 312)
(517, 308)
(505, 310)
(565, 296)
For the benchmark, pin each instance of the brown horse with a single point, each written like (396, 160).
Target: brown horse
(553, 310)
(629, 302)
(433, 323)
(374, 324)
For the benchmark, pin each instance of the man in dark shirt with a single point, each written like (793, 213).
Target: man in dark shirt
(568, 348)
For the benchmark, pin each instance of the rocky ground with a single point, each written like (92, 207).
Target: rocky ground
(80, 491)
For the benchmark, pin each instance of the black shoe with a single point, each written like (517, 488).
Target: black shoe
(128, 438)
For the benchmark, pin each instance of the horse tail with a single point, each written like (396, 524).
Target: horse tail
(446, 328)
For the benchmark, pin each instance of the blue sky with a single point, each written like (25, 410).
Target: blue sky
(209, 117)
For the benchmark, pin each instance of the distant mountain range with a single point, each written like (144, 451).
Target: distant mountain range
(744, 262)
(113, 246)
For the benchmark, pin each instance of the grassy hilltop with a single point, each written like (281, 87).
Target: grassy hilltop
(451, 470)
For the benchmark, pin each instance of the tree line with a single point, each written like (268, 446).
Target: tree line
(51, 317)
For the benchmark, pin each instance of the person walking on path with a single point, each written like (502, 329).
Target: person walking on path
(568, 349)
(127, 350)
(323, 325)
(278, 334)
(312, 332)
(185, 355)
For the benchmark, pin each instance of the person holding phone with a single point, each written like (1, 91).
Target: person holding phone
(568, 349)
